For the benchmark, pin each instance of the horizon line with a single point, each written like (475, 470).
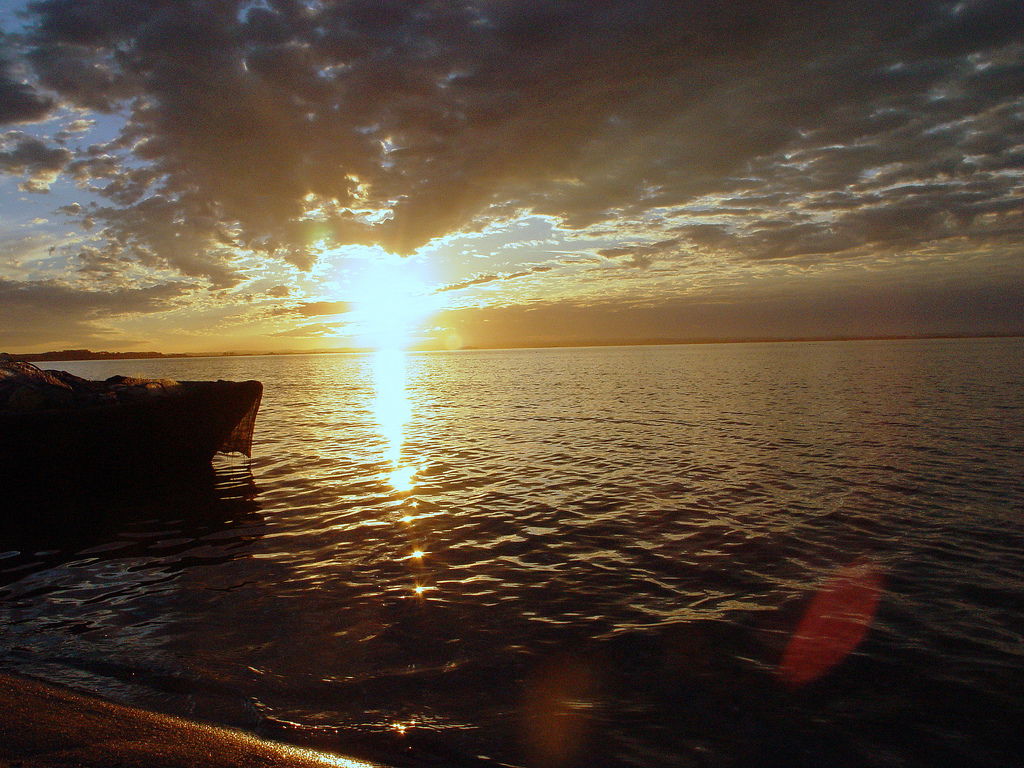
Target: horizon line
(87, 354)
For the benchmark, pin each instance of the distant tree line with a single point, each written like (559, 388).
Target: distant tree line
(83, 354)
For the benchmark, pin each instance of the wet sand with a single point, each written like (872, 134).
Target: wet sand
(43, 725)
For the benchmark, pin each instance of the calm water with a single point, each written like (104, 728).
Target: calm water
(568, 557)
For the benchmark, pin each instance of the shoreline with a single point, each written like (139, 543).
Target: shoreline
(47, 726)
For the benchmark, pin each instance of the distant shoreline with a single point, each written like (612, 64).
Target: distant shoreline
(75, 355)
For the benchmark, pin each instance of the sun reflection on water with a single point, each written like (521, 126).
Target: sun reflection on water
(393, 410)
(402, 478)
(393, 296)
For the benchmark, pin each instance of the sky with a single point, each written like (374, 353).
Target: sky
(212, 175)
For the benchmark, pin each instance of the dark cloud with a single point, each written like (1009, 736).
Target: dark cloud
(157, 233)
(641, 255)
(50, 312)
(20, 102)
(56, 296)
(966, 27)
(270, 126)
(28, 156)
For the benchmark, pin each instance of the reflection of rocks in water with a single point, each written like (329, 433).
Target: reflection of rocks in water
(95, 585)
(128, 521)
(198, 495)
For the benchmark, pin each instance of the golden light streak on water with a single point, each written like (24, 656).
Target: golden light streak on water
(401, 727)
(416, 554)
(393, 299)
(402, 478)
(393, 410)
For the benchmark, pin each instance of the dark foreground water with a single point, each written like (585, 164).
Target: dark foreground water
(571, 557)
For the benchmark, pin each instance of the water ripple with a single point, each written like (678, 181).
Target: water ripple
(640, 529)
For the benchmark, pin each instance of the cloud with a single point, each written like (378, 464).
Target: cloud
(79, 126)
(39, 163)
(674, 138)
(20, 102)
(310, 331)
(314, 309)
(484, 279)
(50, 312)
(63, 297)
(73, 127)
(435, 115)
(17, 247)
(641, 255)
(157, 233)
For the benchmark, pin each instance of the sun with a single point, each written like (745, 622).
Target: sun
(391, 301)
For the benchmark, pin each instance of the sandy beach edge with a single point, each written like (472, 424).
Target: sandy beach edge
(45, 725)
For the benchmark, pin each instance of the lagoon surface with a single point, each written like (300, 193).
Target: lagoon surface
(565, 557)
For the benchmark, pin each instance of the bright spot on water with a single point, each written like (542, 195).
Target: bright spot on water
(393, 299)
(401, 479)
(392, 410)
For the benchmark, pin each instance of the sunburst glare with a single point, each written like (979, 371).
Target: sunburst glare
(391, 301)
